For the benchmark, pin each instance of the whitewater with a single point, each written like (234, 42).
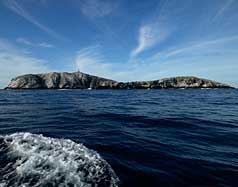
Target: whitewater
(34, 160)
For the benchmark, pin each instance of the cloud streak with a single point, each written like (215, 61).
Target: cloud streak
(46, 45)
(26, 41)
(91, 61)
(221, 11)
(18, 9)
(201, 48)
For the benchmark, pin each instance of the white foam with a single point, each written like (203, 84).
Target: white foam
(35, 160)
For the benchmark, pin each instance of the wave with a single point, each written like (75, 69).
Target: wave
(34, 160)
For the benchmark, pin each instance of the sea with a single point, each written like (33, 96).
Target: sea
(128, 138)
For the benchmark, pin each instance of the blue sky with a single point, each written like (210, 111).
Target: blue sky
(123, 40)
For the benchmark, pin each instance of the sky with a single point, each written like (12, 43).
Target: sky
(124, 40)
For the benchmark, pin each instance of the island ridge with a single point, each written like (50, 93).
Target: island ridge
(79, 80)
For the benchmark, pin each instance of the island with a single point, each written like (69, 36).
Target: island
(79, 80)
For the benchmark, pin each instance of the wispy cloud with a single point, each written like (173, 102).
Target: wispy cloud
(200, 48)
(221, 10)
(149, 36)
(164, 22)
(14, 62)
(90, 60)
(46, 45)
(24, 41)
(14, 6)
(158, 27)
(28, 42)
(97, 8)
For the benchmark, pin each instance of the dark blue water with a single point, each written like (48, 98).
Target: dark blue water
(149, 137)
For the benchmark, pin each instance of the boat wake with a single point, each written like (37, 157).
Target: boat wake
(34, 160)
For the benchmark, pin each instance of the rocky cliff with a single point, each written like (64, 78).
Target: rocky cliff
(55, 80)
(80, 80)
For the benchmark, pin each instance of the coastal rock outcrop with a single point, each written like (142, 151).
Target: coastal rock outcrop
(79, 80)
(176, 82)
(63, 80)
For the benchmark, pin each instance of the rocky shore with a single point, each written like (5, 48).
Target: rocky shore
(79, 80)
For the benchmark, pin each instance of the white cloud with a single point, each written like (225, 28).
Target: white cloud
(159, 26)
(149, 36)
(221, 11)
(164, 21)
(18, 9)
(26, 41)
(89, 60)
(14, 62)
(97, 8)
(46, 45)
(200, 48)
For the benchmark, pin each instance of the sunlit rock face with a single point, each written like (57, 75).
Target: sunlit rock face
(55, 80)
(80, 80)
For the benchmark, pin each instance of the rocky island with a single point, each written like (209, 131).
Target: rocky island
(79, 80)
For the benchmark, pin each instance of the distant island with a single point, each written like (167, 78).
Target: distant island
(79, 80)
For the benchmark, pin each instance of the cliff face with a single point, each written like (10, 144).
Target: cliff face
(80, 80)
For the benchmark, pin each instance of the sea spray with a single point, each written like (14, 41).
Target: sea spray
(35, 160)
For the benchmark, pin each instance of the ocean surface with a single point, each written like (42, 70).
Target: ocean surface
(157, 138)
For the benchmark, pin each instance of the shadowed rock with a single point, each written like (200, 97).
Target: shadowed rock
(80, 80)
